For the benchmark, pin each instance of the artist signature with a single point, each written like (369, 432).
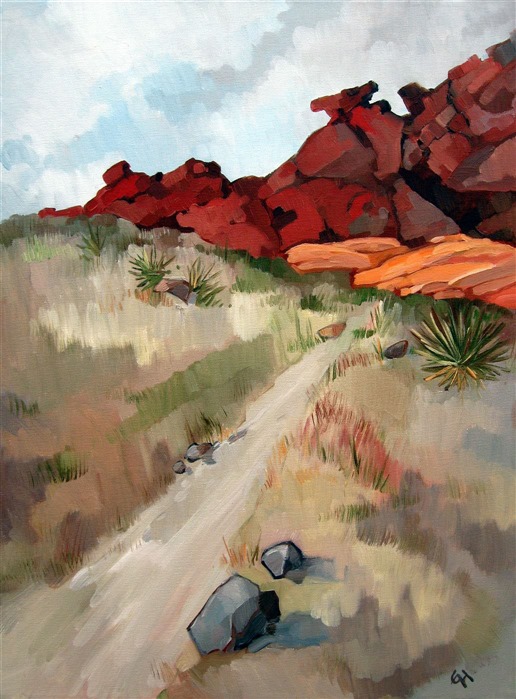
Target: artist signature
(457, 677)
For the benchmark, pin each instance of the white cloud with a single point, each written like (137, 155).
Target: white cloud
(56, 57)
(61, 189)
(57, 62)
(392, 43)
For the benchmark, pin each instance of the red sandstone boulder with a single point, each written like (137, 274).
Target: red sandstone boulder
(383, 130)
(295, 217)
(351, 210)
(343, 102)
(501, 226)
(155, 201)
(419, 220)
(236, 222)
(461, 130)
(336, 151)
(116, 172)
(71, 212)
(284, 176)
(487, 169)
(129, 187)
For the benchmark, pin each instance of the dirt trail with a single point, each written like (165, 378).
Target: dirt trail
(106, 633)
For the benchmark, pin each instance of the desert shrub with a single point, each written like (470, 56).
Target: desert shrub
(462, 346)
(93, 241)
(203, 282)
(312, 302)
(149, 269)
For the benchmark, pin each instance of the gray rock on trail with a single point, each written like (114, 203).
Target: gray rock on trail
(179, 467)
(282, 558)
(397, 350)
(197, 451)
(231, 618)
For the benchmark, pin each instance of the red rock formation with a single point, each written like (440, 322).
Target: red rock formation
(461, 130)
(336, 151)
(453, 266)
(238, 222)
(419, 220)
(71, 212)
(444, 169)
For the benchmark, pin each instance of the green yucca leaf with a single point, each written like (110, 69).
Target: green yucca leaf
(149, 269)
(203, 282)
(92, 242)
(461, 346)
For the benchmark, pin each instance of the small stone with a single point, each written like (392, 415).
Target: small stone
(282, 558)
(330, 331)
(397, 350)
(197, 451)
(179, 288)
(179, 467)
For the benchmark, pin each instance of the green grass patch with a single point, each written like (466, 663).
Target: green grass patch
(351, 513)
(362, 333)
(20, 408)
(366, 471)
(64, 466)
(46, 247)
(367, 294)
(219, 382)
(312, 302)
(254, 281)
(305, 339)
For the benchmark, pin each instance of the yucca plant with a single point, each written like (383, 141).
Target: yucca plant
(93, 241)
(461, 346)
(203, 282)
(149, 269)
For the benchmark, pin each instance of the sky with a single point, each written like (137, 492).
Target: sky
(86, 84)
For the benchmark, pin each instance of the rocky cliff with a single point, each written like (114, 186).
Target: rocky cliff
(423, 202)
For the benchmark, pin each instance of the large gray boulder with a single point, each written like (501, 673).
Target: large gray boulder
(232, 617)
(282, 558)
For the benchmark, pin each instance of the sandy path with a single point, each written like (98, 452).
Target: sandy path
(106, 632)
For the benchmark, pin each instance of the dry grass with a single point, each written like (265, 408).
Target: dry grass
(347, 360)
(99, 340)
(243, 556)
(339, 435)
(405, 546)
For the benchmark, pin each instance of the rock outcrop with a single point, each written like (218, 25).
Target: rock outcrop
(446, 168)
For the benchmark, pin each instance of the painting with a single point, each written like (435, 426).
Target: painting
(257, 390)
